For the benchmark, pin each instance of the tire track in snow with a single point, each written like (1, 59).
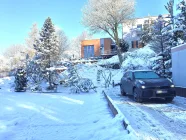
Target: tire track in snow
(150, 117)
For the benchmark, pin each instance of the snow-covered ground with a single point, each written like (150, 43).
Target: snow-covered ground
(66, 116)
(58, 116)
(154, 119)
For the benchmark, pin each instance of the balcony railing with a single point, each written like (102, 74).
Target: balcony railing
(109, 52)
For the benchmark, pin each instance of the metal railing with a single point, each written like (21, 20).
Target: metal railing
(109, 52)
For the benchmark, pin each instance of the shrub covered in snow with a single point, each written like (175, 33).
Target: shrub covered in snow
(112, 60)
(143, 58)
(138, 59)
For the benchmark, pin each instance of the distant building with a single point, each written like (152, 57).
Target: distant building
(97, 47)
(132, 31)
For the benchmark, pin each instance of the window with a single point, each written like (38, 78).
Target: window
(139, 26)
(145, 75)
(88, 51)
(137, 44)
(146, 21)
(132, 44)
(130, 75)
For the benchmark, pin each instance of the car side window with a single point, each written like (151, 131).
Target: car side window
(125, 75)
(130, 75)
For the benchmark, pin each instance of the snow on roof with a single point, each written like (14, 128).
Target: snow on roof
(178, 48)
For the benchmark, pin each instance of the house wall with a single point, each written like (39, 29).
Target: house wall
(106, 42)
(107, 45)
(179, 66)
(95, 42)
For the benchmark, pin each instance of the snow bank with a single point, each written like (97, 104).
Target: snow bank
(7, 84)
(138, 59)
(112, 60)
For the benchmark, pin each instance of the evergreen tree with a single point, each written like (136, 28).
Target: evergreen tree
(124, 46)
(20, 80)
(180, 23)
(146, 35)
(158, 44)
(47, 50)
(170, 39)
(164, 37)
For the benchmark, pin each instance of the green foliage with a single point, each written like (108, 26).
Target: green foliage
(146, 35)
(47, 53)
(124, 45)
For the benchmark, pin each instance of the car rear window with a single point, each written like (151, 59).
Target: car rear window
(145, 75)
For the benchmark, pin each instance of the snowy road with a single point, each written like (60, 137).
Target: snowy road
(153, 120)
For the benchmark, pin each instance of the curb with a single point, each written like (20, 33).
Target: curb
(115, 110)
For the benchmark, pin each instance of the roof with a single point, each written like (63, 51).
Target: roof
(178, 48)
(164, 15)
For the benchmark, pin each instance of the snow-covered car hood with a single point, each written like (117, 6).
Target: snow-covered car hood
(156, 82)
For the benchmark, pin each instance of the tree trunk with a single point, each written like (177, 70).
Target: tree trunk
(119, 51)
(162, 49)
(50, 83)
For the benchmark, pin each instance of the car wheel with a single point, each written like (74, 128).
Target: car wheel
(136, 96)
(123, 93)
(169, 99)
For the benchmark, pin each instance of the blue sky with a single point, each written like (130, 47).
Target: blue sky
(17, 16)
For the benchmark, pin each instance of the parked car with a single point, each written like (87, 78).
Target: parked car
(146, 85)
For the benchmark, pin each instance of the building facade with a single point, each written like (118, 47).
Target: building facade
(97, 47)
(133, 30)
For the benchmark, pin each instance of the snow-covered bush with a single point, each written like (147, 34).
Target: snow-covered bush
(112, 60)
(138, 59)
(72, 78)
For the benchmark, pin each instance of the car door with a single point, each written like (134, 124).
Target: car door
(130, 81)
(124, 82)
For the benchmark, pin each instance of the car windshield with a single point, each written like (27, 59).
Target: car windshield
(145, 75)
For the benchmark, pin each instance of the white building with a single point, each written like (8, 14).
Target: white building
(132, 31)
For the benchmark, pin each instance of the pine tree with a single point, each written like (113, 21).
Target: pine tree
(164, 40)
(180, 23)
(170, 39)
(20, 80)
(124, 46)
(47, 50)
(146, 35)
(158, 43)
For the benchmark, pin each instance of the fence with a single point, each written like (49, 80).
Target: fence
(110, 52)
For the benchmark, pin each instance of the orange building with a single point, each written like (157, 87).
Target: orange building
(97, 47)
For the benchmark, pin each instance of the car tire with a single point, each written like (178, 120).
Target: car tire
(169, 99)
(123, 93)
(136, 96)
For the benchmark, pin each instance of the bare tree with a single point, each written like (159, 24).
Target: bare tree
(76, 43)
(13, 50)
(30, 40)
(15, 54)
(108, 16)
(63, 41)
